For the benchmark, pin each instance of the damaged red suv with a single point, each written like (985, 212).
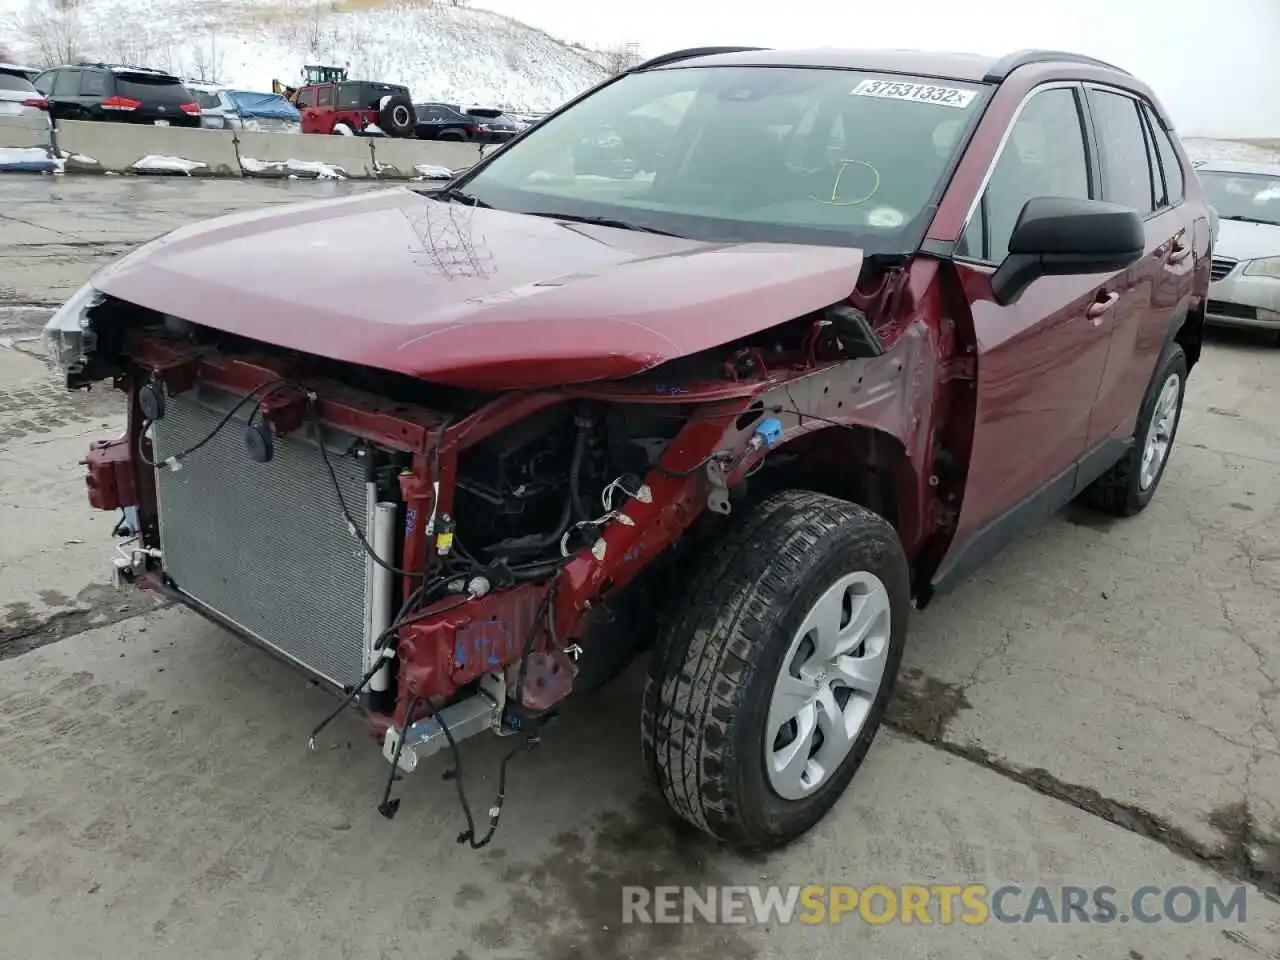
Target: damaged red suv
(831, 330)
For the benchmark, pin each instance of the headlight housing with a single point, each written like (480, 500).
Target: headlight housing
(67, 338)
(1269, 267)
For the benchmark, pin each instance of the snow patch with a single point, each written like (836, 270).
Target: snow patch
(432, 171)
(343, 130)
(439, 51)
(373, 129)
(292, 169)
(382, 104)
(155, 163)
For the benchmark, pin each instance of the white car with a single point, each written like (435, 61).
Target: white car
(225, 108)
(1245, 284)
(19, 97)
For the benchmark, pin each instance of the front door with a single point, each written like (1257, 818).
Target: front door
(1041, 358)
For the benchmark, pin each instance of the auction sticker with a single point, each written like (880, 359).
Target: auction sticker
(886, 217)
(918, 92)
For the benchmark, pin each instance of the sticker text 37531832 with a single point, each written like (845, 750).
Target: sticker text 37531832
(918, 92)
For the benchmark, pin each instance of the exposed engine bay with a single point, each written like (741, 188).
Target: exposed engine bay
(450, 560)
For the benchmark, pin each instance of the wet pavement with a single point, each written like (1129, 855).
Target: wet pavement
(1099, 706)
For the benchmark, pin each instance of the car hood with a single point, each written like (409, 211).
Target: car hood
(1246, 241)
(472, 297)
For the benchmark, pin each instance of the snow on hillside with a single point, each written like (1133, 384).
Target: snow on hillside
(440, 52)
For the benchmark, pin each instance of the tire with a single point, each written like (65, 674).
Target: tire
(397, 118)
(1125, 490)
(452, 135)
(708, 697)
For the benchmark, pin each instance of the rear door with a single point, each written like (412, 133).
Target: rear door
(1158, 287)
(1040, 358)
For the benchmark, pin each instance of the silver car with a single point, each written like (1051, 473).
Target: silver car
(19, 98)
(1245, 286)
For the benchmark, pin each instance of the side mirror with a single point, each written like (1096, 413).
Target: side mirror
(1058, 236)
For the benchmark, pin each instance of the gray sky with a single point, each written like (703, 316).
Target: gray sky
(1214, 63)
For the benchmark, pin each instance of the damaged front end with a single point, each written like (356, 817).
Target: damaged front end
(451, 560)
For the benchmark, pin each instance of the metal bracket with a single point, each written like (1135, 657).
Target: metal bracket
(718, 497)
(465, 719)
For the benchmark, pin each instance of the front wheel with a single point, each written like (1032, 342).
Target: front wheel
(771, 679)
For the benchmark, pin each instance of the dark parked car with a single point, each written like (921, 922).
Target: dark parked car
(448, 121)
(875, 314)
(118, 93)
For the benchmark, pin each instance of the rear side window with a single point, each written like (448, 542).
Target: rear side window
(1126, 169)
(66, 83)
(147, 89)
(1044, 157)
(307, 97)
(10, 82)
(44, 82)
(1174, 181)
(324, 96)
(93, 84)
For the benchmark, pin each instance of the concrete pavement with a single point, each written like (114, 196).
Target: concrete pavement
(1099, 706)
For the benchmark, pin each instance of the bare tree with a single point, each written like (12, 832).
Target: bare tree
(207, 59)
(621, 59)
(54, 29)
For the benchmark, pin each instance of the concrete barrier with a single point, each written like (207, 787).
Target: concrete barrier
(90, 147)
(118, 147)
(24, 132)
(415, 158)
(270, 152)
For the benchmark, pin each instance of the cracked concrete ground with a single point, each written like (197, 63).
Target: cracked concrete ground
(1097, 706)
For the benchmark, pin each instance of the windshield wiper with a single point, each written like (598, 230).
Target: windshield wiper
(602, 222)
(1239, 219)
(458, 196)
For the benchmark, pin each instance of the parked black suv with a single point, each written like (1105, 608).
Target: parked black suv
(123, 94)
(448, 121)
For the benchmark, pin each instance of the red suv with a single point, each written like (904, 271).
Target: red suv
(356, 108)
(855, 321)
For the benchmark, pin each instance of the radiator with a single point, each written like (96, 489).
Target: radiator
(265, 545)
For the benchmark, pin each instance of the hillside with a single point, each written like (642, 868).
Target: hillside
(442, 52)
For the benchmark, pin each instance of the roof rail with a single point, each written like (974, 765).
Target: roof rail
(1001, 69)
(676, 56)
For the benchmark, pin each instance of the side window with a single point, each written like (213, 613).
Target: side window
(1174, 180)
(67, 83)
(324, 96)
(1043, 157)
(44, 82)
(1126, 170)
(307, 97)
(1159, 195)
(93, 84)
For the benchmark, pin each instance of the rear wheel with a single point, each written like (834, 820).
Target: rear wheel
(451, 135)
(1129, 486)
(769, 682)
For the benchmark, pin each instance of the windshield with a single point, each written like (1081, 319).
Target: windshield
(1243, 196)
(745, 153)
(151, 89)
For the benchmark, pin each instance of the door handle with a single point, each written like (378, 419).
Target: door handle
(1101, 307)
(1179, 251)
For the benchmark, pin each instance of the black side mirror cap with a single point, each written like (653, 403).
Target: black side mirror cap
(1060, 236)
